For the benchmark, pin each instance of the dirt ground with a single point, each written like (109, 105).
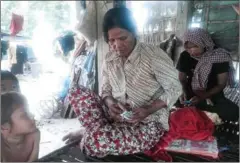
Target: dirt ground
(40, 93)
(52, 131)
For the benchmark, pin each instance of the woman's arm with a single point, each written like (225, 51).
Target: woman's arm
(183, 80)
(106, 92)
(221, 84)
(113, 106)
(155, 106)
(167, 76)
(35, 151)
(183, 66)
(106, 89)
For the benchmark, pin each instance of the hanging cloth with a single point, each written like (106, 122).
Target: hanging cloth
(16, 24)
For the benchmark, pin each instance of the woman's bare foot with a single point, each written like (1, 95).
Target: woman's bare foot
(74, 136)
(214, 117)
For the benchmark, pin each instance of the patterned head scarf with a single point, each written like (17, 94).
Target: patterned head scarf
(201, 38)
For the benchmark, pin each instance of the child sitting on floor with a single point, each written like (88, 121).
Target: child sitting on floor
(19, 136)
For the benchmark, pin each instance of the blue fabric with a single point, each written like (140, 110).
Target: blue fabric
(89, 62)
(63, 92)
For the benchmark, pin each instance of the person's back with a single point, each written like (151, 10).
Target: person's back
(19, 136)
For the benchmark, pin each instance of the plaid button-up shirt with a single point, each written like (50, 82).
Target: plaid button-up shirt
(147, 74)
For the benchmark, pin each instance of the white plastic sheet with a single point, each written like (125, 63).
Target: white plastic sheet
(87, 22)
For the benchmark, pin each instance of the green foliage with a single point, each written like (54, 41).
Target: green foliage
(57, 13)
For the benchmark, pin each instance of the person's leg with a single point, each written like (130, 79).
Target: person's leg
(88, 107)
(204, 107)
(226, 109)
(14, 69)
(103, 138)
(122, 139)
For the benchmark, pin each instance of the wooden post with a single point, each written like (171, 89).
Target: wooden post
(96, 84)
(207, 7)
(190, 8)
(121, 3)
(102, 46)
(83, 4)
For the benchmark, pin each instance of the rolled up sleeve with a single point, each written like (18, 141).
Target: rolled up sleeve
(167, 76)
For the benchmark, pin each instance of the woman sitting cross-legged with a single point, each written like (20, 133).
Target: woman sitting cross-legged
(204, 71)
(137, 77)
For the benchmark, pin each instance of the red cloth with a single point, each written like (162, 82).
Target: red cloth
(16, 24)
(186, 123)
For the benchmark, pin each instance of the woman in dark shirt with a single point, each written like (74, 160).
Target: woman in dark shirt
(204, 71)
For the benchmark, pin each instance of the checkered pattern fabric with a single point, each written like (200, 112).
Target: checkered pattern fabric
(201, 38)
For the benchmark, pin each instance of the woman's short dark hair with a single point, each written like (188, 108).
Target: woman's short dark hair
(119, 17)
(9, 101)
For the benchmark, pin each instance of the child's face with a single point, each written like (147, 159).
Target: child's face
(9, 85)
(22, 122)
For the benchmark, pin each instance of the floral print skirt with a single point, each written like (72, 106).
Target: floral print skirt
(105, 137)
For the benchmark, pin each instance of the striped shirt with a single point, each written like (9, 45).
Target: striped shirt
(148, 74)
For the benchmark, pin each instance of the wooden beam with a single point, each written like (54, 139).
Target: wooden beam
(190, 9)
(222, 21)
(207, 14)
(96, 84)
(222, 6)
(121, 3)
